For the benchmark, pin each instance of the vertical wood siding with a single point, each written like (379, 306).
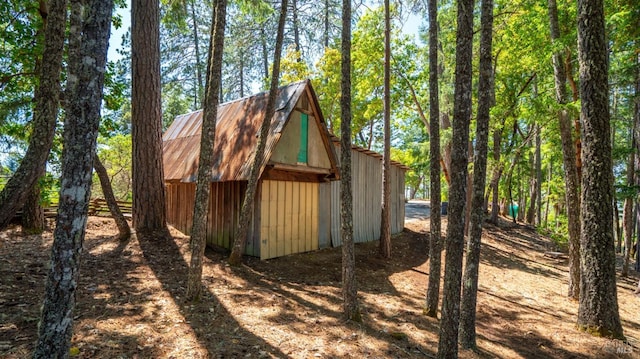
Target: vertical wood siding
(225, 200)
(289, 218)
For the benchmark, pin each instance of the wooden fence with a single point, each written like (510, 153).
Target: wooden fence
(97, 207)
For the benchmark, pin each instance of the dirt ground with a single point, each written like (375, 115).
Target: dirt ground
(131, 305)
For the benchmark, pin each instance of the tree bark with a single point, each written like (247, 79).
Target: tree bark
(627, 214)
(598, 309)
(45, 115)
(206, 161)
(495, 178)
(448, 343)
(572, 183)
(33, 221)
(124, 232)
(539, 177)
(472, 264)
(536, 175)
(350, 307)
(149, 207)
(435, 240)
(265, 53)
(296, 29)
(196, 44)
(88, 40)
(249, 198)
(385, 221)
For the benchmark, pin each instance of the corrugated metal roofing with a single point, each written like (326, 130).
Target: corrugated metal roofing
(237, 128)
(336, 142)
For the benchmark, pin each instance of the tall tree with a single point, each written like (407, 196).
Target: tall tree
(627, 211)
(448, 343)
(248, 203)
(89, 30)
(196, 44)
(485, 101)
(124, 232)
(45, 115)
(207, 140)
(149, 207)
(33, 221)
(385, 222)
(435, 240)
(572, 181)
(350, 307)
(598, 310)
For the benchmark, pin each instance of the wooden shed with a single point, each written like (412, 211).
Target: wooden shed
(366, 172)
(295, 201)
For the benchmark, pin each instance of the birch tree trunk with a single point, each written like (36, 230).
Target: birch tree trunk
(89, 31)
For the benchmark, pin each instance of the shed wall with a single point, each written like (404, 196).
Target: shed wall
(367, 199)
(225, 200)
(289, 218)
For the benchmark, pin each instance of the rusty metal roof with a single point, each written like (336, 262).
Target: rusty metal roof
(337, 143)
(237, 128)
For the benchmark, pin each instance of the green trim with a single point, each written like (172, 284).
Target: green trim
(304, 138)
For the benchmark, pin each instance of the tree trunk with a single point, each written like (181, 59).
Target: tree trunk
(467, 213)
(33, 221)
(88, 41)
(576, 121)
(569, 159)
(546, 211)
(265, 53)
(627, 214)
(531, 207)
(385, 221)
(149, 207)
(350, 308)
(325, 35)
(448, 343)
(206, 161)
(45, 115)
(435, 240)
(249, 198)
(598, 310)
(445, 152)
(296, 29)
(539, 177)
(196, 44)
(495, 178)
(472, 264)
(124, 232)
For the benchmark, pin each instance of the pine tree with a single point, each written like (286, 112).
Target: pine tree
(598, 310)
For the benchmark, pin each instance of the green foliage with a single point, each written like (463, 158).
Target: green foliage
(115, 154)
(327, 85)
(292, 68)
